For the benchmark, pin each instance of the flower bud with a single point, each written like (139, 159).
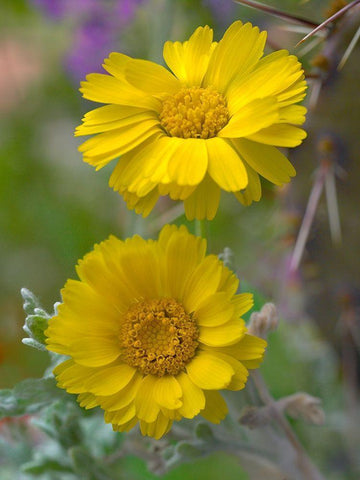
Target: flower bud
(263, 322)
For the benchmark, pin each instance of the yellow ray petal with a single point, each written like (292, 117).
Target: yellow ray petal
(279, 135)
(249, 348)
(142, 205)
(215, 409)
(121, 417)
(241, 374)
(108, 381)
(120, 138)
(123, 398)
(87, 400)
(252, 192)
(189, 60)
(226, 334)
(225, 166)
(204, 201)
(229, 282)
(203, 282)
(147, 408)
(238, 51)
(123, 121)
(193, 398)
(95, 352)
(176, 271)
(251, 118)
(71, 376)
(273, 75)
(151, 78)
(107, 89)
(115, 64)
(209, 372)
(242, 303)
(167, 392)
(215, 310)
(156, 429)
(189, 161)
(265, 160)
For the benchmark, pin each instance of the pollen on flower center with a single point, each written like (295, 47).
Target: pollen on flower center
(194, 113)
(158, 337)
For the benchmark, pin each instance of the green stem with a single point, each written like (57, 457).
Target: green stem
(201, 228)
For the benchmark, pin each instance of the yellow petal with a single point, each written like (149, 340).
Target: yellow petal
(241, 374)
(251, 118)
(148, 162)
(167, 392)
(253, 191)
(229, 282)
(237, 52)
(204, 201)
(107, 381)
(225, 166)
(189, 60)
(193, 398)
(156, 429)
(279, 135)
(209, 372)
(176, 192)
(107, 116)
(125, 427)
(265, 160)
(215, 409)
(121, 417)
(150, 77)
(107, 89)
(176, 271)
(249, 348)
(142, 205)
(189, 162)
(115, 64)
(120, 138)
(147, 408)
(87, 400)
(72, 376)
(272, 76)
(95, 352)
(294, 114)
(203, 282)
(123, 398)
(242, 303)
(215, 310)
(226, 334)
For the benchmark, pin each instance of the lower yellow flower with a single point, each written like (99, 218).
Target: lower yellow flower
(153, 332)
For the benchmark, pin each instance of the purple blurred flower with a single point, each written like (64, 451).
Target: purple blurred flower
(97, 31)
(59, 9)
(222, 10)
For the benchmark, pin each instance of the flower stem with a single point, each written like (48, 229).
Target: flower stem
(201, 228)
(303, 461)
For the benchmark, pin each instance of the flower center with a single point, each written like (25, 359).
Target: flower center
(194, 113)
(158, 337)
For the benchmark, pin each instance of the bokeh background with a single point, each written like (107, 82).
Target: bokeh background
(54, 207)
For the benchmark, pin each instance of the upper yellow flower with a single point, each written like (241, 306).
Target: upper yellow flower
(153, 331)
(212, 124)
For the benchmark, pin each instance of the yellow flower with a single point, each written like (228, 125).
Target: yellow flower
(153, 331)
(211, 125)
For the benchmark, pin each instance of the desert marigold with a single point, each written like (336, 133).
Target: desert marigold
(153, 330)
(211, 125)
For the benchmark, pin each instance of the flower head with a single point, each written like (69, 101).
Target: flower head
(211, 125)
(153, 332)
